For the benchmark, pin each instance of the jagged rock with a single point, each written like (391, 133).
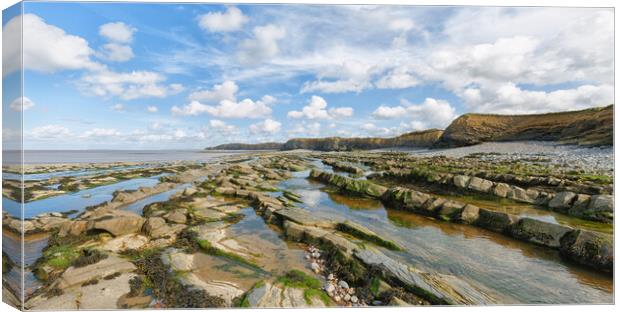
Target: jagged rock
(405, 198)
(589, 248)
(539, 232)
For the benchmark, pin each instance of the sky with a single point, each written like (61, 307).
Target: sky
(162, 76)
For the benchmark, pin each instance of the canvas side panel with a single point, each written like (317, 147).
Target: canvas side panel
(12, 166)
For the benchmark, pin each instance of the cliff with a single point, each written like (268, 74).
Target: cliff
(593, 127)
(424, 138)
(250, 147)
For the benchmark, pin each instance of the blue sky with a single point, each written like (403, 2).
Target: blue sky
(155, 76)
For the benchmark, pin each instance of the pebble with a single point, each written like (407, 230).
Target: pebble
(330, 276)
(315, 267)
(337, 298)
(330, 288)
(343, 284)
(347, 297)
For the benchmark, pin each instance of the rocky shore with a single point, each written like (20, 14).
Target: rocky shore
(237, 233)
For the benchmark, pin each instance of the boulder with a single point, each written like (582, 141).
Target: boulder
(562, 201)
(521, 195)
(495, 221)
(589, 248)
(539, 232)
(469, 214)
(460, 181)
(501, 190)
(479, 185)
(72, 228)
(450, 210)
(177, 216)
(117, 223)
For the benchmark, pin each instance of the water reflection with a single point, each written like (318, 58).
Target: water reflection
(521, 272)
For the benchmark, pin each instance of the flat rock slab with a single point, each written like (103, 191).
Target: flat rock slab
(304, 217)
(103, 295)
(434, 287)
(110, 265)
(271, 295)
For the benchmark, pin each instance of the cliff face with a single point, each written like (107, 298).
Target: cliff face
(586, 127)
(413, 139)
(249, 147)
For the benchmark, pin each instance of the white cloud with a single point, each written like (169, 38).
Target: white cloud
(46, 48)
(127, 85)
(152, 109)
(222, 127)
(21, 102)
(101, 133)
(118, 107)
(50, 132)
(117, 32)
(348, 76)
(116, 52)
(305, 129)
(398, 78)
(431, 113)
(268, 126)
(262, 46)
(402, 24)
(374, 130)
(225, 91)
(246, 108)
(387, 112)
(317, 109)
(223, 96)
(510, 99)
(231, 20)
(341, 112)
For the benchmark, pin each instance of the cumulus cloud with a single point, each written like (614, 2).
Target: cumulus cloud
(222, 99)
(117, 32)
(49, 132)
(268, 126)
(21, 103)
(431, 113)
(348, 76)
(61, 51)
(127, 85)
(262, 46)
(231, 20)
(120, 35)
(246, 108)
(225, 91)
(317, 109)
(116, 52)
(398, 78)
(101, 133)
(152, 109)
(118, 107)
(222, 127)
